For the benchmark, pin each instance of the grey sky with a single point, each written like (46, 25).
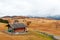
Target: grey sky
(29, 7)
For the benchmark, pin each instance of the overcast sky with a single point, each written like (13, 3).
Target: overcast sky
(29, 7)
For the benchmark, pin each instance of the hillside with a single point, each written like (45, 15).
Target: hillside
(43, 24)
(30, 35)
(49, 26)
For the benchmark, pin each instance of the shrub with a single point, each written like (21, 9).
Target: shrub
(28, 23)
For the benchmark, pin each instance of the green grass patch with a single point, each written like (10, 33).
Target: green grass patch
(43, 36)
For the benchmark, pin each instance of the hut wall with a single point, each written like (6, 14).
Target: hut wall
(19, 30)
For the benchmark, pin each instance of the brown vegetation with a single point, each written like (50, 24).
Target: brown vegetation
(44, 25)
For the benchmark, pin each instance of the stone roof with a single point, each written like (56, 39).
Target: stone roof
(17, 25)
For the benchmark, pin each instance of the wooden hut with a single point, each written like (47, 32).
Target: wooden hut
(17, 27)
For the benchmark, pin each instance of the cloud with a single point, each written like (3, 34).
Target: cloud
(29, 7)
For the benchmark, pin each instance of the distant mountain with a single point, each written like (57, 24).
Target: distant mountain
(57, 17)
(15, 17)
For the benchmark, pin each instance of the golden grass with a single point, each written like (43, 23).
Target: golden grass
(51, 26)
(3, 26)
(36, 24)
(31, 35)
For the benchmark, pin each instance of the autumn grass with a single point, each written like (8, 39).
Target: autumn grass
(31, 35)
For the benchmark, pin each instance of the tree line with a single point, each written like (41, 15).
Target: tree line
(3, 21)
